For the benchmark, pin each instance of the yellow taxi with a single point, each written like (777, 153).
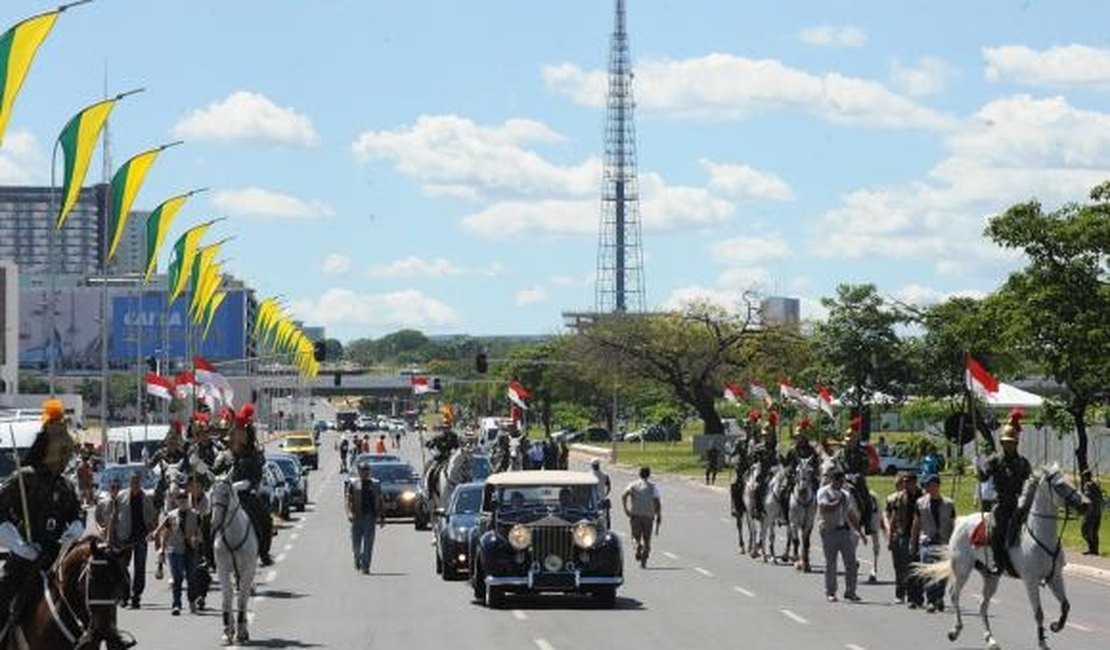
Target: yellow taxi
(303, 447)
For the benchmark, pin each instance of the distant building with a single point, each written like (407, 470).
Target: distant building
(314, 332)
(779, 310)
(9, 327)
(27, 218)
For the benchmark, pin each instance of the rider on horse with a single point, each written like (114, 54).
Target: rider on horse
(169, 456)
(855, 463)
(40, 501)
(764, 454)
(1010, 470)
(202, 450)
(801, 452)
(245, 460)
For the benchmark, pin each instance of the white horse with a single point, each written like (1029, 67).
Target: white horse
(803, 512)
(236, 549)
(772, 510)
(1037, 556)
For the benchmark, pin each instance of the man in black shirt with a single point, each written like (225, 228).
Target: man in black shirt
(364, 507)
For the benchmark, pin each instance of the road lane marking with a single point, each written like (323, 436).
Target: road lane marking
(1081, 628)
(704, 572)
(280, 558)
(270, 575)
(670, 556)
(794, 617)
(519, 615)
(294, 536)
(852, 646)
(287, 548)
(726, 520)
(542, 644)
(741, 590)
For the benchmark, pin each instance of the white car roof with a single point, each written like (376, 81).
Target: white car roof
(541, 477)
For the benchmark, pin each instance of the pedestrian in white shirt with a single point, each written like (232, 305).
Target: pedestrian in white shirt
(838, 521)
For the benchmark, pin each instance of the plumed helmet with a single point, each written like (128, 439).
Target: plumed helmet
(53, 411)
(854, 426)
(771, 426)
(803, 427)
(245, 417)
(1012, 431)
(53, 427)
(754, 415)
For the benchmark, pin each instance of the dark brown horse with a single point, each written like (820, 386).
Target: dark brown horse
(74, 606)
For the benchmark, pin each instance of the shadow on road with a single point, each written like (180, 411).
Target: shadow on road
(278, 594)
(560, 602)
(280, 643)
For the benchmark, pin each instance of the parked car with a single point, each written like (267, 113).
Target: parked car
(122, 473)
(544, 532)
(346, 421)
(895, 460)
(296, 479)
(655, 433)
(595, 434)
(273, 490)
(303, 447)
(366, 423)
(402, 492)
(453, 526)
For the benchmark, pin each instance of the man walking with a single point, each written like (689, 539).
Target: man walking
(836, 519)
(136, 518)
(901, 508)
(364, 508)
(179, 536)
(641, 504)
(712, 464)
(1092, 518)
(934, 520)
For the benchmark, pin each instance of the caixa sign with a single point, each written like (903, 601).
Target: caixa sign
(148, 328)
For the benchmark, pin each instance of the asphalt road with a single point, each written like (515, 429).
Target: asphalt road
(697, 592)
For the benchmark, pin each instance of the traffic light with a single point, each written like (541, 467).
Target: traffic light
(481, 363)
(338, 379)
(319, 351)
(436, 384)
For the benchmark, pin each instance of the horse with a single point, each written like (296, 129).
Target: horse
(803, 511)
(1037, 556)
(77, 605)
(771, 510)
(443, 477)
(236, 550)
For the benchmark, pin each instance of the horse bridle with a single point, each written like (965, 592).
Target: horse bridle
(90, 603)
(1053, 553)
(230, 514)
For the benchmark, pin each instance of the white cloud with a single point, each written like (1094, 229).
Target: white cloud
(416, 267)
(531, 296)
(684, 296)
(22, 161)
(580, 280)
(744, 182)
(1062, 65)
(921, 296)
(812, 310)
(832, 36)
(336, 264)
(453, 156)
(740, 251)
(248, 117)
(1011, 150)
(408, 308)
(745, 278)
(928, 77)
(727, 87)
(257, 202)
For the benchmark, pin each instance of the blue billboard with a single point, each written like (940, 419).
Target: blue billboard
(226, 338)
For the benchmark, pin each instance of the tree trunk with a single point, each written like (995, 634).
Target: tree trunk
(707, 411)
(1078, 412)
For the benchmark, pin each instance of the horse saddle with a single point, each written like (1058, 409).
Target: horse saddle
(981, 535)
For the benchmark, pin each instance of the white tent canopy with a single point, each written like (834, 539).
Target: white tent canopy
(1009, 396)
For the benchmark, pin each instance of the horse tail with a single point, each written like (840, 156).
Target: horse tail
(935, 572)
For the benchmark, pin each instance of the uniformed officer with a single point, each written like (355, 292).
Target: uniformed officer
(1009, 471)
(801, 452)
(202, 450)
(167, 459)
(244, 460)
(51, 512)
(764, 454)
(854, 460)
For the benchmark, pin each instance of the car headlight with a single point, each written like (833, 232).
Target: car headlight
(520, 537)
(585, 535)
(408, 495)
(459, 534)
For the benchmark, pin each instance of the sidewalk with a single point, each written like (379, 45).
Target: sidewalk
(1095, 568)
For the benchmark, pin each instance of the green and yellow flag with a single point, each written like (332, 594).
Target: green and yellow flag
(125, 187)
(203, 293)
(181, 259)
(204, 259)
(18, 47)
(210, 311)
(78, 142)
(158, 225)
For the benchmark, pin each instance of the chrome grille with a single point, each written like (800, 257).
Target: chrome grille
(548, 540)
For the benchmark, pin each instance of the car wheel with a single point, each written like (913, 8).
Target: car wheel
(605, 597)
(439, 566)
(478, 582)
(495, 597)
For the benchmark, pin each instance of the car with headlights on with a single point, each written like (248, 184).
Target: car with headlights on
(402, 492)
(453, 527)
(544, 532)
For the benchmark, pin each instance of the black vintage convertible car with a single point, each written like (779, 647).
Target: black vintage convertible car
(544, 532)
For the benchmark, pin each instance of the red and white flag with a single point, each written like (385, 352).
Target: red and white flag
(421, 384)
(733, 393)
(825, 400)
(757, 390)
(789, 392)
(159, 386)
(517, 394)
(979, 381)
(207, 375)
(184, 385)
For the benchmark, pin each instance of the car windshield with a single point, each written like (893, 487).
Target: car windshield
(377, 458)
(468, 501)
(288, 466)
(517, 497)
(122, 473)
(391, 473)
(298, 441)
(481, 468)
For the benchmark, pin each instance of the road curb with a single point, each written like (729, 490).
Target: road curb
(1089, 572)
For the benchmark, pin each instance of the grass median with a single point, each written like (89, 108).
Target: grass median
(679, 458)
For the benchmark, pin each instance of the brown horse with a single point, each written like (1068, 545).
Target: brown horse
(74, 606)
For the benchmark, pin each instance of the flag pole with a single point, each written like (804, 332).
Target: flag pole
(52, 269)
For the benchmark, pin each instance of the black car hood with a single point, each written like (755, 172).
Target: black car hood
(532, 515)
(464, 520)
(397, 488)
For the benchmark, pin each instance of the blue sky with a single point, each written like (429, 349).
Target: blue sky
(436, 164)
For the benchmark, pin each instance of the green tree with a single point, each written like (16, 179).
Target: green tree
(361, 352)
(334, 349)
(1058, 306)
(859, 346)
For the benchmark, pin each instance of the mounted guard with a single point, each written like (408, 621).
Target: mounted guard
(1009, 471)
(853, 459)
(244, 461)
(764, 455)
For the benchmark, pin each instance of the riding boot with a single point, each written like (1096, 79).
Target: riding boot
(998, 549)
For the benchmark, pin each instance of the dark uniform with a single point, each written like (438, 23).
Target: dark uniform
(801, 452)
(1093, 517)
(248, 467)
(764, 454)
(1009, 470)
(901, 507)
(854, 460)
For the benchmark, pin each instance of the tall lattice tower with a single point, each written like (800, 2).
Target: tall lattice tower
(620, 261)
